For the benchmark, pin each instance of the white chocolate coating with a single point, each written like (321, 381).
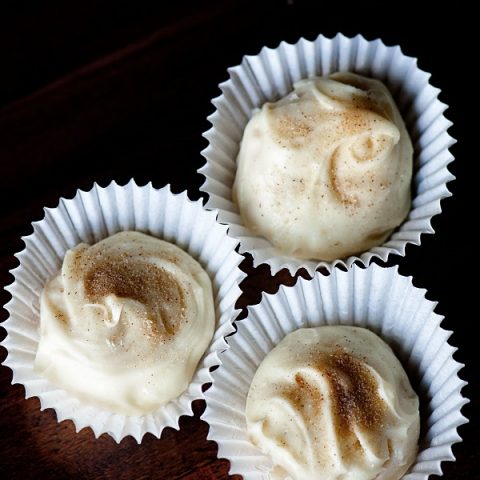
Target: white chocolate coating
(325, 172)
(334, 403)
(125, 323)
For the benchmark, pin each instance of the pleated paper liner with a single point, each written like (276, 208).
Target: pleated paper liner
(89, 217)
(376, 298)
(270, 75)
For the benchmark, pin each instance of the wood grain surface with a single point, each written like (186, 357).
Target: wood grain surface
(96, 91)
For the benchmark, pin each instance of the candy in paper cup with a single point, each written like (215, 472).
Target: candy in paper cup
(270, 75)
(375, 298)
(90, 217)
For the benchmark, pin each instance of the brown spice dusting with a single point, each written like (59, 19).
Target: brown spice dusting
(291, 127)
(353, 122)
(293, 130)
(340, 187)
(355, 400)
(148, 284)
(304, 396)
(307, 400)
(354, 389)
(354, 393)
(305, 387)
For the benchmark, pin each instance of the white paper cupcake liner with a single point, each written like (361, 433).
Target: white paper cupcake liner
(89, 217)
(376, 298)
(270, 75)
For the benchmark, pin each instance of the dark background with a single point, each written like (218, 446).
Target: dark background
(96, 91)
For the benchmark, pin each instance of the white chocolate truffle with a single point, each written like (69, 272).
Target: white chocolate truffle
(125, 322)
(334, 403)
(325, 172)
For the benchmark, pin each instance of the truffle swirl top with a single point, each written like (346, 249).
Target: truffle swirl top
(334, 403)
(325, 172)
(125, 322)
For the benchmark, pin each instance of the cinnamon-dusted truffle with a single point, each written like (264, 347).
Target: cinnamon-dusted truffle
(334, 403)
(125, 322)
(325, 172)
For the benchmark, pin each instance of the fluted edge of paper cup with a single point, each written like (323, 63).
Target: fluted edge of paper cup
(376, 298)
(89, 217)
(270, 75)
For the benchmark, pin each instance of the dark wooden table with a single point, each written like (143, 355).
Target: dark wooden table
(102, 90)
